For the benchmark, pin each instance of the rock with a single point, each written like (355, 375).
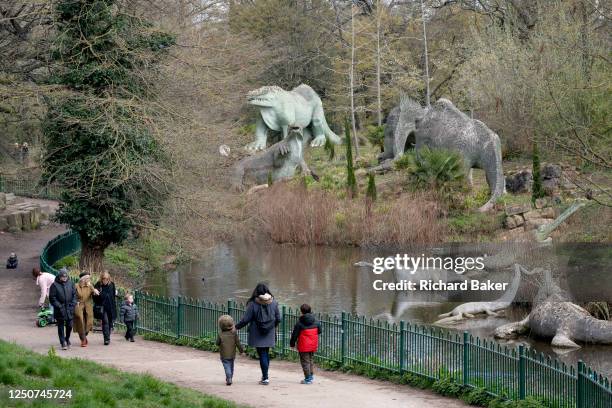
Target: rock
(517, 209)
(382, 168)
(360, 172)
(513, 221)
(14, 221)
(551, 171)
(548, 212)
(3, 223)
(541, 203)
(551, 186)
(26, 221)
(257, 188)
(520, 182)
(533, 214)
(535, 223)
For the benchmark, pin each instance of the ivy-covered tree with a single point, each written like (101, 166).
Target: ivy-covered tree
(351, 181)
(537, 190)
(100, 143)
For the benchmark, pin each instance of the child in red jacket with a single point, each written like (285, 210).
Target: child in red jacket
(306, 334)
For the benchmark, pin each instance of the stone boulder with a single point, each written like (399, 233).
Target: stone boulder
(520, 182)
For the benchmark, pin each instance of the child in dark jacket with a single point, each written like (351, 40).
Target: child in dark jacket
(128, 315)
(228, 341)
(306, 334)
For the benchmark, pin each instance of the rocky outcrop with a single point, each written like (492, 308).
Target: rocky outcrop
(20, 214)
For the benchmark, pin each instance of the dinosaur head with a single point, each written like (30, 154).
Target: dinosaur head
(266, 96)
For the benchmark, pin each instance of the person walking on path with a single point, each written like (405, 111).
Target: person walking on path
(306, 335)
(83, 313)
(44, 280)
(228, 341)
(262, 316)
(128, 314)
(62, 296)
(105, 308)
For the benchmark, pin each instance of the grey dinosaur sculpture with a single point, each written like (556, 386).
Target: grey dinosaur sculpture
(556, 318)
(443, 126)
(400, 127)
(470, 309)
(279, 110)
(281, 160)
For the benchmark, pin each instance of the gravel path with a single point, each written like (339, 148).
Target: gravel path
(187, 367)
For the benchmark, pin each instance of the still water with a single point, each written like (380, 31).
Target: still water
(328, 279)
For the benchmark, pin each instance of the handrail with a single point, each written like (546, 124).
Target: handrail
(403, 348)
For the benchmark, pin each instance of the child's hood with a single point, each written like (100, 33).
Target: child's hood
(308, 319)
(226, 323)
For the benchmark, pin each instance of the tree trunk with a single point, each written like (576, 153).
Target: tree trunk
(352, 85)
(92, 256)
(427, 94)
(378, 107)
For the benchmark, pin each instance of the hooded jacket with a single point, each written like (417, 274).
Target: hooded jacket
(62, 296)
(228, 339)
(256, 338)
(306, 334)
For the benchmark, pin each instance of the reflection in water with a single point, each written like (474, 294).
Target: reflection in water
(327, 279)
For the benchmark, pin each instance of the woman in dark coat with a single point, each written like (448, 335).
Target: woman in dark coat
(62, 295)
(262, 316)
(105, 307)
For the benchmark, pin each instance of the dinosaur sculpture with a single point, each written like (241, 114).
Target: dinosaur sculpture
(553, 316)
(445, 127)
(280, 160)
(280, 110)
(469, 309)
(400, 127)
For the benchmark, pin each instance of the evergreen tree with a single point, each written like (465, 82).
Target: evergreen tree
(537, 191)
(351, 182)
(99, 134)
(371, 190)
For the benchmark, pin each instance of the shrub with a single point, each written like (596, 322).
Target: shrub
(351, 182)
(67, 262)
(376, 136)
(437, 169)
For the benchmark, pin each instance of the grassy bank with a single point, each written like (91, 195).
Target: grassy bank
(92, 385)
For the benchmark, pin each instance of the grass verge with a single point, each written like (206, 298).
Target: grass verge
(92, 385)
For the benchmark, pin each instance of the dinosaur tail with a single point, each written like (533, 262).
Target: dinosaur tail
(446, 314)
(331, 136)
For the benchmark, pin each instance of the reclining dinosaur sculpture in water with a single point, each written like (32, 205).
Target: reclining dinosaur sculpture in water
(279, 110)
(470, 309)
(553, 316)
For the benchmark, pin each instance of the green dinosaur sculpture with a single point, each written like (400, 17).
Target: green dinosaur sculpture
(280, 110)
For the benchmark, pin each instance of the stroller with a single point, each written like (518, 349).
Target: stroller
(44, 317)
(12, 262)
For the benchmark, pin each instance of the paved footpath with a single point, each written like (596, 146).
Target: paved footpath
(199, 370)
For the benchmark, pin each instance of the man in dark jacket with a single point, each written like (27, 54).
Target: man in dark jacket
(62, 295)
(306, 335)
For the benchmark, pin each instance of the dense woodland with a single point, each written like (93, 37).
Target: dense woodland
(530, 69)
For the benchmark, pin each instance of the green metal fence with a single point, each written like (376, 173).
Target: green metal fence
(400, 348)
(28, 187)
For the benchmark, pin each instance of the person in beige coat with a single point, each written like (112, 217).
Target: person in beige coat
(83, 312)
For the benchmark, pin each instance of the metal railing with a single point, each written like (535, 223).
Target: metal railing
(27, 187)
(347, 340)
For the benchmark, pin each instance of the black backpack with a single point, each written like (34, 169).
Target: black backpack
(265, 319)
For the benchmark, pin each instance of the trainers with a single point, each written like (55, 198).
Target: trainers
(132, 339)
(228, 382)
(68, 343)
(306, 381)
(106, 342)
(265, 382)
(64, 347)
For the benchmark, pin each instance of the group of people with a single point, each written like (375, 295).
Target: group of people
(76, 306)
(21, 151)
(262, 317)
